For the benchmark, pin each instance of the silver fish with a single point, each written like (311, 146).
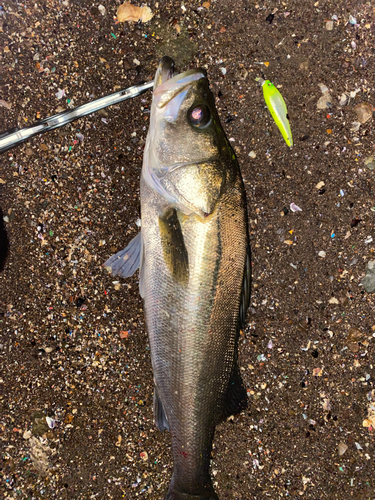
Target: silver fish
(194, 259)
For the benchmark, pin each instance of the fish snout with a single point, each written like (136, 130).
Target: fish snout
(164, 72)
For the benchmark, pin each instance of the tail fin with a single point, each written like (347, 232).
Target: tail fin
(200, 492)
(175, 495)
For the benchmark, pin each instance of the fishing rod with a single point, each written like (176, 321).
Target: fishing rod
(15, 136)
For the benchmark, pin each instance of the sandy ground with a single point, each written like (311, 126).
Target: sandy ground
(76, 384)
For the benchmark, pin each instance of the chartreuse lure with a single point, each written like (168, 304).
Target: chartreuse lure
(276, 105)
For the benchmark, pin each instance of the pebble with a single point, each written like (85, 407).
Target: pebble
(329, 25)
(341, 448)
(363, 112)
(27, 435)
(370, 162)
(355, 335)
(343, 99)
(368, 282)
(353, 347)
(129, 12)
(102, 10)
(325, 100)
(322, 254)
(295, 208)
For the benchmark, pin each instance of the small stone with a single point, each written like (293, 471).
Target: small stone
(353, 347)
(327, 405)
(295, 208)
(329, 25)
(355, 335)
(322, 254)
(323, 88)
(355, 127)
(363, 112)
(50, 422)
(341, 448)
(5, 104)
(343, 99)
(284, 211)
(320, 185)
(333, 300)
(129, 12)
(368, 282)
(370, 162)
(252, 154)
(102, 10)
(324, 101)
(317, 372)
(27, 435)
(368, 423)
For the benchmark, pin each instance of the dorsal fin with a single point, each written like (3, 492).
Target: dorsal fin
(246, 289)
(235, 399)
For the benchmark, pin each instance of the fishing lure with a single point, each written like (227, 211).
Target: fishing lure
(276, 105)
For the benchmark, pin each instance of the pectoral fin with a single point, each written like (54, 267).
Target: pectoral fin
(174, 249)
(127, 261)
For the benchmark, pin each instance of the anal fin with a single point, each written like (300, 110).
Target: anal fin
(160, 417)
(235, 399)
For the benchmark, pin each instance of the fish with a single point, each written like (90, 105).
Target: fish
(277, 107)
(193, 256)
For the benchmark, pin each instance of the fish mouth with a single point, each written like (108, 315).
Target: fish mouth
(164, 72)
(168, 83)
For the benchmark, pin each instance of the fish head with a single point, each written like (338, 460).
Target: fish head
(186, 153)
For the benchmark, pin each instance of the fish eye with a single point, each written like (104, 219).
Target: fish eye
(199, 115)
